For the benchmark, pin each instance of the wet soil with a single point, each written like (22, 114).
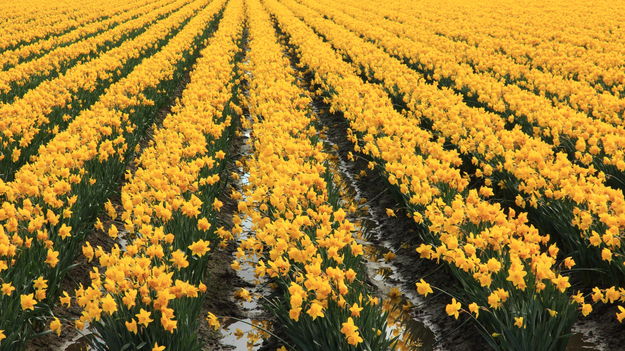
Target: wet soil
(399, 234)
(600, 331)
(235, 315)
(244, 323)
(222, 279)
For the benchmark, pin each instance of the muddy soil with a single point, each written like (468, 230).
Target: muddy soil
(399, 234)
(243, 330)
(600, 331)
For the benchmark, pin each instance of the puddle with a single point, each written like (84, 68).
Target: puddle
(577, 343)
(246, 333)
(586, 338)
(413, 329)
(242, 335)
(401, 303)
(80, 341)
(77, 343)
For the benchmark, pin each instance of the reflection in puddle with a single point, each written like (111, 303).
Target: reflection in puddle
(402, 305)
(246, 333)
(242, 335)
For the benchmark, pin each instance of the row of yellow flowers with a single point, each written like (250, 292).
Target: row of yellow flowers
(575, 40)
(105, 19)
(560, 90)
(589, 140)
(509, 159)
(56, 59)
(48, 209)
(50, 19)
(300, 238)
(502, 262)
(151, 290)
(27, 118)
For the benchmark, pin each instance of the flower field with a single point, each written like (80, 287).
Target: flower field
(312, 175)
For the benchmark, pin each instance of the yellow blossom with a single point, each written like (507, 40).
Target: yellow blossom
(453, 309)
(315, 310)
(28, 302)
(55, 326)
(423, 288)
